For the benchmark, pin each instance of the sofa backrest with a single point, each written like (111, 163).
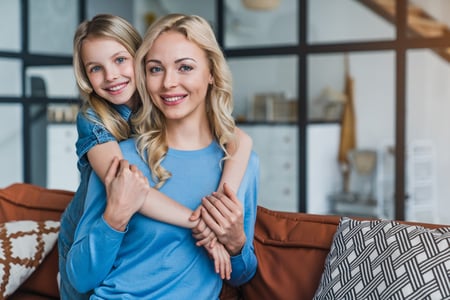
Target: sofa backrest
(291, 249)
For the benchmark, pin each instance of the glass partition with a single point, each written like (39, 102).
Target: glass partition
(10, 77)
(11, 144)
(52, 24)
(428, 19)
(427, 139)
(265, 95)
(10, 18)
(51, 82)
(350, 160)
(265, 88)
(252, 23)
(147, 11)
(349, 21)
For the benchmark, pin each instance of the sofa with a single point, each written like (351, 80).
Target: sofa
(293, 249)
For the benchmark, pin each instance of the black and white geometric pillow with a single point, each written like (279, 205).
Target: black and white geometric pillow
(386, 260)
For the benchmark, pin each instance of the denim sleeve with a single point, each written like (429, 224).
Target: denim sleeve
(90, 134)
(244, 265)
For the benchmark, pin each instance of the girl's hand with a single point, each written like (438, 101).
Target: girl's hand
(222, 262)
(202, 233)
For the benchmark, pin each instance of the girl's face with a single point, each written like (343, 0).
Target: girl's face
(177, 77)
(110, 69)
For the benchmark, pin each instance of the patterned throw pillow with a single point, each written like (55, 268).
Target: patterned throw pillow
(386, 260)
(23, 246)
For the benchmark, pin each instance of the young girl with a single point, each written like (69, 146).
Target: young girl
(103, 61)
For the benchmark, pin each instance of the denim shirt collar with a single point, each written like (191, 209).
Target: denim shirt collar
(123, 110)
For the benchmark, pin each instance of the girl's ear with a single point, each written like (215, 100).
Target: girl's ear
(211, 79)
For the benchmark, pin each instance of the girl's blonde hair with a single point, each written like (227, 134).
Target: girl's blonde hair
(150, 122)
(108, 27)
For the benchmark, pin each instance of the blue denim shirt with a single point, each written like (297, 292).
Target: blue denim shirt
(90, 133)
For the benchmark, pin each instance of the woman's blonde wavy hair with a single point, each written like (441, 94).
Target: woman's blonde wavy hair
(121, 31)
(150, 123)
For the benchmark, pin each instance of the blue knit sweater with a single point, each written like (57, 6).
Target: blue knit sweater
(155, 260)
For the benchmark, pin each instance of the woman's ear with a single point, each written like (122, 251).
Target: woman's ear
(211, 79)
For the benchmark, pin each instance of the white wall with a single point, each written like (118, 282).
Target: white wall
(428, 119)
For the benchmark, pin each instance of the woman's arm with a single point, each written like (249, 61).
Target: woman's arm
(157, 205)
(234, 168)
(100, 232)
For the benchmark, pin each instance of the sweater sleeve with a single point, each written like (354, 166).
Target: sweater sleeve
(96, 244)
(244, 264)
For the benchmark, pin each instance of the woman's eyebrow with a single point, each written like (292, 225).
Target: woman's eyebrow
(184, 58)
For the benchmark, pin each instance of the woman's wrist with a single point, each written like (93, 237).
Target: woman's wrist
(236, 247)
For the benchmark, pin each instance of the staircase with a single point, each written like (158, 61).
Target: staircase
(420, 23)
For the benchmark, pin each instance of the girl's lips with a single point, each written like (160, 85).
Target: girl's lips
(116, 88)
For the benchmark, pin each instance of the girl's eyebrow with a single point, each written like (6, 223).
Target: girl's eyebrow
(119, 53)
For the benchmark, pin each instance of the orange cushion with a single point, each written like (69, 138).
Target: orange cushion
(291, 249)
(21, 201)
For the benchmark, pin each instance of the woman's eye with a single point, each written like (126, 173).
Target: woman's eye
(185, 68)
(155, 69)
(120, 60)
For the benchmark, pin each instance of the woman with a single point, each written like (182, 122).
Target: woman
(104, 51)
(184, 129)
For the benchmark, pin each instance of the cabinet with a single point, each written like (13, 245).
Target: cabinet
(277, 149)
(62, 172)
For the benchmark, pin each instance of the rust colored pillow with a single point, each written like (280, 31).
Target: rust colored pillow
(22, 201)
(291, 249)
(23, 246)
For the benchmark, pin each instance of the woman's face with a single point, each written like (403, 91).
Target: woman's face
(110, 69)
(177, 77)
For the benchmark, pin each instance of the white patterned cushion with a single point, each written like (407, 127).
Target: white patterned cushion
(386, 260)
(23, 246)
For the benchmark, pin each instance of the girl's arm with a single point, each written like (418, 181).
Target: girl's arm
(234, 168)
(160, 207)
(157, 205)
(233, 172)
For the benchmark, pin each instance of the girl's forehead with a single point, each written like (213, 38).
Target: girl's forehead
(101, 47)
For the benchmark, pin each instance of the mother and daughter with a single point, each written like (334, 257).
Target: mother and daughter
(167, 200)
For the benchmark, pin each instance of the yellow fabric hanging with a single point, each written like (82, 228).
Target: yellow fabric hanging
(347, 140)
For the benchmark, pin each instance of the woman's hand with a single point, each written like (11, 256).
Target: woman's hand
(126, 191)
(223, 214)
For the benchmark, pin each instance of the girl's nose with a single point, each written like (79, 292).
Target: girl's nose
(112, 74)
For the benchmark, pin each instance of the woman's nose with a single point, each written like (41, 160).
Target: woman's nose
(170, 79)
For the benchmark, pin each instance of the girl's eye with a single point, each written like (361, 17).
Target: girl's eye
(120, 60)
(95, 69)
(185, 68)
